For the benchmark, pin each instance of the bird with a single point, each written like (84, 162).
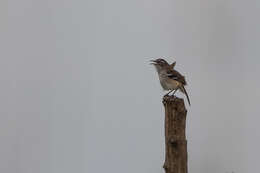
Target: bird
(170, 79)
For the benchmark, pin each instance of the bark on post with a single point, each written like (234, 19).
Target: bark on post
(175, 139)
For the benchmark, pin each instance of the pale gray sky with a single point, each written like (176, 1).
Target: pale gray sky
(78, 94)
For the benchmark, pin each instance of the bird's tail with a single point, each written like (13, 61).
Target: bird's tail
(185, 92)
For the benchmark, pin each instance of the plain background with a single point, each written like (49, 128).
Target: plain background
(77, 93)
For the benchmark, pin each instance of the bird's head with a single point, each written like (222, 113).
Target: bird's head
(162, 63)
(159, 62)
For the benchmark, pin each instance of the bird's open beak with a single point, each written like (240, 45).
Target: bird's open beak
(153, 62)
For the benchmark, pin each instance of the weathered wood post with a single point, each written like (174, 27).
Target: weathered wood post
(175, 139)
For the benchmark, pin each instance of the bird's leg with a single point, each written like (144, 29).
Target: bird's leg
(168, 93)
(174, 91)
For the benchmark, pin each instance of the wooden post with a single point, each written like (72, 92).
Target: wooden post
(175, 139)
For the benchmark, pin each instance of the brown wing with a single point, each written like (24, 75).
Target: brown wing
(173, 74)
